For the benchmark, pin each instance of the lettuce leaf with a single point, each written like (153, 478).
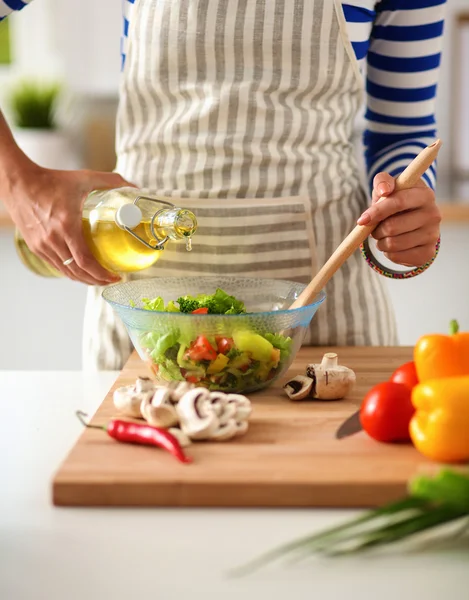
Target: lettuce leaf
(155, 304)
(284, 344)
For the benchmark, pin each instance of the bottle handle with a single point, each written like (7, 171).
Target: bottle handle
(160, 243)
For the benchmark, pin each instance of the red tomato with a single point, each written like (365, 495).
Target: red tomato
(201, 349)
(386, 412)
(224, 344)
(406, 374)
(188, 377)
(200, 311)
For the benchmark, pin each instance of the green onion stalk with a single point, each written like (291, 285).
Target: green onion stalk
(430, 502)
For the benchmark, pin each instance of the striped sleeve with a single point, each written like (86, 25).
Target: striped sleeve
(402, 67)
(127, 8)
(9, 6)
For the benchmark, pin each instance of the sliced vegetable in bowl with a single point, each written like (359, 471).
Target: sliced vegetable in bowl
(228, 334)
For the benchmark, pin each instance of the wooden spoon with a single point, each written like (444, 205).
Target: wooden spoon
(406, 180)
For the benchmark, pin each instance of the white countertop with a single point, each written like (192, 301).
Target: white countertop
(48, 553)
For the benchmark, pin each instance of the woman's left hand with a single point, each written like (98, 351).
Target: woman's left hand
(408, 222)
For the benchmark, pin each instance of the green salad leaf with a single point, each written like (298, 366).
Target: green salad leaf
(163, 342)
(280, 342)
(170, 371)
(155, 304)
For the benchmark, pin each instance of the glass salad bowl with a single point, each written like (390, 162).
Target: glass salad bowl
(243, 350)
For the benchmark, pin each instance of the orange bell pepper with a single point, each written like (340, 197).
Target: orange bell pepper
(439, 356)
(439, 428)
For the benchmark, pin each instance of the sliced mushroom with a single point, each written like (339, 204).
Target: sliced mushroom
(243, 406)
(228, 414)
(161, 416)
(178, 389)
(218, 401)
(225, 431)
(197, 417)
(234, 418)
(158, 409)
(299, 387)
(331, 381)
(181, 437)
(241, 428)
(128, 401)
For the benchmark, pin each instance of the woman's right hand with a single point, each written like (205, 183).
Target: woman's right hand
(46, 206)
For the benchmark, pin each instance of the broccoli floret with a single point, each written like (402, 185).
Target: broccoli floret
(219, 303)
(187, 304)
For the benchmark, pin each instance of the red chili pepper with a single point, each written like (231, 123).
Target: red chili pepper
(136, 433)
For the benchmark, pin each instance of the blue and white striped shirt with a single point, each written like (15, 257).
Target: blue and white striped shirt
(398, 47)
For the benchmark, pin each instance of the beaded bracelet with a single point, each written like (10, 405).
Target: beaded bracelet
(391, 273)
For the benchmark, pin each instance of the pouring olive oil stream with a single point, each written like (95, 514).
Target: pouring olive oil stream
(125, 230)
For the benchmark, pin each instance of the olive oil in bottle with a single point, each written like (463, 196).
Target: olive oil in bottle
(125, 230)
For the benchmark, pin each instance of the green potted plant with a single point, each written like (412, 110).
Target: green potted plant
(33, 107)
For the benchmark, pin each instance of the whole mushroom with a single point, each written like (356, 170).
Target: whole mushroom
(331, 381)
(128, 400)
(144, 384)
(324, 381)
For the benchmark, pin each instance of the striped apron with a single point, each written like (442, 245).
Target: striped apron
(243, 111)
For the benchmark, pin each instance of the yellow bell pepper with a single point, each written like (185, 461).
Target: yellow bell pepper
(439, 428)
(218, 364)
(438, 356)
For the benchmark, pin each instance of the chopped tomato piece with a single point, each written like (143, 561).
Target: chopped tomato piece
(224, 344)
(200, 311)
(190, 378)
(202, 349)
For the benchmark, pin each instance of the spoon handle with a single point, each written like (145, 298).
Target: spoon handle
(358, 235)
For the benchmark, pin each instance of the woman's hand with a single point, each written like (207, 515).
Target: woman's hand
(408, 222)
(46, 206)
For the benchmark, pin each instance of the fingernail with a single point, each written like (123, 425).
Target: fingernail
(384, 188)
(364, 219)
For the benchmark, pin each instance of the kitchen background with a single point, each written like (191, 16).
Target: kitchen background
(78, 42)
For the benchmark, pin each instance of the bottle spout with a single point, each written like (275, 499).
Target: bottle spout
(185, 226)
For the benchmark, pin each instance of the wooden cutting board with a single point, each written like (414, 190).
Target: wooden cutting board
(288, 458)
